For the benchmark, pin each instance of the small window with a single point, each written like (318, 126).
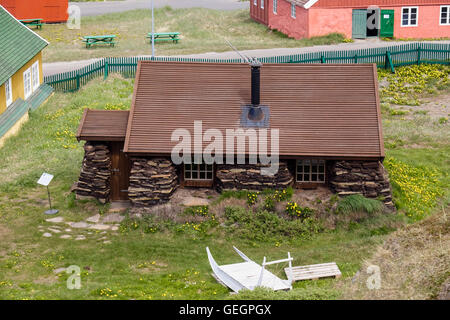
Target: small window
(255, 2)
(445, 15)
(35, 75)
(311, 171)
(8, 92)
(410, 16)
(262, 4)
(198, 171)
(275, 6)
(27, 89)
(293, 13)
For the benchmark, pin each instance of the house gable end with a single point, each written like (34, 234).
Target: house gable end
(19, 45)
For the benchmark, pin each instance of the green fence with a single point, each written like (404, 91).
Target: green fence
(385, 57)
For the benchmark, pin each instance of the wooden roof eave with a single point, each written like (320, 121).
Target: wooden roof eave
(133, 103)
(377, 99)
(282, 157)
(80, 127)
(100, 138)
(115, 132)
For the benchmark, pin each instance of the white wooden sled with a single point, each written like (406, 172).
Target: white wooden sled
(249, 274)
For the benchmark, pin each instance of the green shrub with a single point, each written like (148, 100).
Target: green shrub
(269, 203)
(358, 203)
(396, 112)
(149, 225)
(237, 214)
(238, 194)
(202, 211)
(284, 195)
(266, 226)
(443, 120)
(252, 198)
(294, 210)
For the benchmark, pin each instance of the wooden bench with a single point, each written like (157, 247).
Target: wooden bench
(105, 39)
(314, 271)
(33, 22)
(164, 36)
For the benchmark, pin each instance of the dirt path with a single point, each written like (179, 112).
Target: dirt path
(436, 107)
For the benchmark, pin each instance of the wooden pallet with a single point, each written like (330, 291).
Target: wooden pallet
(314, 271)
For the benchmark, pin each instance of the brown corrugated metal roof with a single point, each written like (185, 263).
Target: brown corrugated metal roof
(380, 3)
(320, 110)
(103, 125)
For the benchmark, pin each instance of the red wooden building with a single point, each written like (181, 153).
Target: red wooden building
(397, 18)
(49, 10)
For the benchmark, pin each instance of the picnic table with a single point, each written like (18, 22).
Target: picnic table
(33, 22)
(106, 39)
(164, 36)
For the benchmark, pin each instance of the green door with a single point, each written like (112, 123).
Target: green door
(387, 23)
(359, 23)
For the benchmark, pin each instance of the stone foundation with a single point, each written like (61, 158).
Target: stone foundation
(94, 180)
(248, 176)
(152, 181)
(368, 178)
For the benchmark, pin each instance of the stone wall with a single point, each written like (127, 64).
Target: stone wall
(152, 181)
(94, 180)
(368, 178)
(248, 176)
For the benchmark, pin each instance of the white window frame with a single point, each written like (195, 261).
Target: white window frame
(190, 169)
(262, 4)
(255, 2)
(27, 84)
(8, 92)
(293, 11)
(448, 16)
(302, 163)
(35, 80)
(409, 17)
(275, 6)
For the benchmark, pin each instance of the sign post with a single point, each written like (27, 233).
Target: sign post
(45, 180)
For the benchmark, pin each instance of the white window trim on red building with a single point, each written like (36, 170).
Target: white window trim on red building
(448, 16)
(409, 17)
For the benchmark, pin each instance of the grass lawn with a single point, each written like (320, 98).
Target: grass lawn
(173, 265)
(202, 30)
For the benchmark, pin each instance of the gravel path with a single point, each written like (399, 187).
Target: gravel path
(98, 8)
(358, 44)
(57, 67)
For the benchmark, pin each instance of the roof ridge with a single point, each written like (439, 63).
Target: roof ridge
(18, 45)
(23, 25)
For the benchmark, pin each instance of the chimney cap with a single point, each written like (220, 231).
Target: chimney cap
(255, 62)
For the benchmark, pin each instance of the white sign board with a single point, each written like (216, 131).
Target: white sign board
(386, 16)
(45, 179)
